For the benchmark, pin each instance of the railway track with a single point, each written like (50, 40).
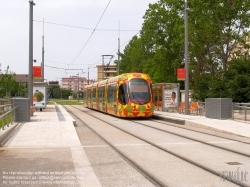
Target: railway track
(201, 141)
(244, 157)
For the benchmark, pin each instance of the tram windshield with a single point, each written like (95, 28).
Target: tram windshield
(139, 91)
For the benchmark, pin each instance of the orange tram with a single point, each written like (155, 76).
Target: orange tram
(126, 95)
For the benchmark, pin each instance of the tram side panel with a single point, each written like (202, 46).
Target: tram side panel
(111, 99)
(101, 99)
(94, 95)
(89, 96)
(127, 95)
(101, 89)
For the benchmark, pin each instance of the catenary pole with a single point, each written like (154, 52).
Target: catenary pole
(186, 60)
(43, 54)
(31, 53)
(88, 75)
(78, 88)
(118, 71)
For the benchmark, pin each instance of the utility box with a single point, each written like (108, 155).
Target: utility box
(22, 113)
(218, 108)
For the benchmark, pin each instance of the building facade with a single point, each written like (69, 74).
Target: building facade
(106, 71)
(22, 78)
(241, 48)
(75, 82)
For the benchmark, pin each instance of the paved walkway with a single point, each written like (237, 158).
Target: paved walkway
(49, 131)
(230, 126)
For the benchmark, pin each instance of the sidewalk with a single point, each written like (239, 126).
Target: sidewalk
(48, 143)
(240, 128)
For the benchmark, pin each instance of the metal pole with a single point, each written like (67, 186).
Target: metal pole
(186, 60)
(78, 88)
(102, 67)
(118, 71)
(43, 55)
(88, 75)
(31, 53)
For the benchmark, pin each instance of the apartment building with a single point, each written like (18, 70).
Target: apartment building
(241, 48)
(106, 71)
(72, 82)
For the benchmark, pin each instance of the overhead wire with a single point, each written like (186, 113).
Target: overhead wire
(95, 62)
(54, 67)
(91, 33)
(88, 39)
(84, 28)
(116, 48)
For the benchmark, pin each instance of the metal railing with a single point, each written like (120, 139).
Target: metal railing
(241, 111)
(7, 113)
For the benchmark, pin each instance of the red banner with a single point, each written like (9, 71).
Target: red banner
(181, 74)
(37, 72)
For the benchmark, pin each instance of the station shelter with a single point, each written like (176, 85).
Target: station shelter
(166, 96)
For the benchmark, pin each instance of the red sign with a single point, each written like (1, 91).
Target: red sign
(37, 71)
(181, 74)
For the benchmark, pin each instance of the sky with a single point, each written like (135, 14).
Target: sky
(69, 40)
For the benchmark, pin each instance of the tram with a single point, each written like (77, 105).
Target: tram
(126, 95)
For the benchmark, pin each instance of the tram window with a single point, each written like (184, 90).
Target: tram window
(100, 93)
(94, 94)
(123, 94)
(89, 94)
(111, 93)
(84, 95)
(139, 91)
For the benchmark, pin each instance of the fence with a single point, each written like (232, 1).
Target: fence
(241, 111)
(7, 113)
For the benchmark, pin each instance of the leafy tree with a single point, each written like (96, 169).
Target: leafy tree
(22, 89)
(8, 84)
(159, 50)
(57, 92)
(132, 57)
(238, 78)
(66, 94)
(215, 29)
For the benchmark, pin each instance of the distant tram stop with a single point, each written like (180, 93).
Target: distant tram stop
(166, 96)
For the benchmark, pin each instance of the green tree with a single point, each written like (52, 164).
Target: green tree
(215, 29)
(159, 49)
(66, 94)
(131, 59)
(8, 84)
(22, 89)
(238, 78)
(57, 93)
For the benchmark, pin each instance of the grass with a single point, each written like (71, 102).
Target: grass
(66, 102)
(7, 119)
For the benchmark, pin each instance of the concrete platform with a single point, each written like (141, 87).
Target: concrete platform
(240, 128)
(47, 146)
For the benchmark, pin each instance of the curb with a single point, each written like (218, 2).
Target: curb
(178, 121)
(188, 123)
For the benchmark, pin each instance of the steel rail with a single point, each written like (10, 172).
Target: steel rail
(168, 151)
